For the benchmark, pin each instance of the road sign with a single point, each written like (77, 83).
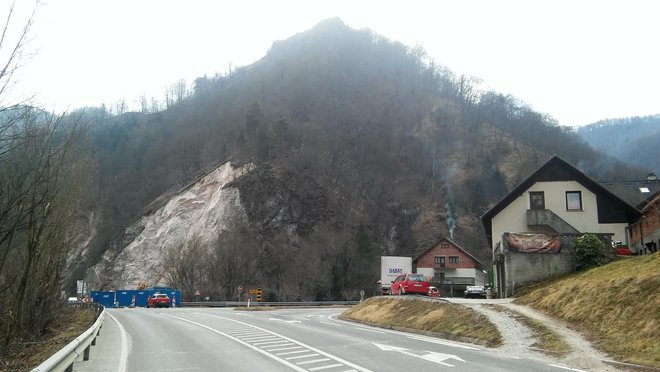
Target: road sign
(240, 289)
(197, 293)
(256, 292)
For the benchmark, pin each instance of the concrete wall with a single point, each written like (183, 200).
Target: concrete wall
(523, 268)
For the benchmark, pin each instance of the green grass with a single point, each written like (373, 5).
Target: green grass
(616, 305)
(450, 320)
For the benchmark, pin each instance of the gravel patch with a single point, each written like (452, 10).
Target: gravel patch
(518, 338)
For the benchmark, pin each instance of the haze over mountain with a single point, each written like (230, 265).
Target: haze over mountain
(634, 140)
(356, 147)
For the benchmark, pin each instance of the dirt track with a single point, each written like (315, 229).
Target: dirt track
(518, 338)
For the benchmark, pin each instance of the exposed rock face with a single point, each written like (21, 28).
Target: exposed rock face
(202, 209)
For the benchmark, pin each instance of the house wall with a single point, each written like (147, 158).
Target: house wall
(467, 267)
(525, 267)
(464, 261)
(480, 278)
(513, 217)
(647, 229)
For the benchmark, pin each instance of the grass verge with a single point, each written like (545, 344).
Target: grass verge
(617, 306)
(69, 323)
(453, 321)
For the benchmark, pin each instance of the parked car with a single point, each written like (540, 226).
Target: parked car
(73, 301)
(475, 291)
(158, 300)
(410, 283)
(434, 292)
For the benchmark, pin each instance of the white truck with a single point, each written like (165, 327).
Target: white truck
(390, 268)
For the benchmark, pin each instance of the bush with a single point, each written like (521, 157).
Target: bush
(588, 252)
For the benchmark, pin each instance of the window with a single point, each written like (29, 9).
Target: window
(536, 200)
(439, 260)
(453, 259)
(444, 245)
(574, 200)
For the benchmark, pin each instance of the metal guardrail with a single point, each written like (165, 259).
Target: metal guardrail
(262, 304)
(63, 359)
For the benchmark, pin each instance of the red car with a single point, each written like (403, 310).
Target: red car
(410, 283)
(158, 300)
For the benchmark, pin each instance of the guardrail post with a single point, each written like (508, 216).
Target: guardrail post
(86, 352)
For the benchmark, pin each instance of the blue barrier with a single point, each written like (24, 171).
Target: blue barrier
(125, 297)
(105, 298)
(141, 298)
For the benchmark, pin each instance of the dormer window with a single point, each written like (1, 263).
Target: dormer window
(536, 200)
(573, 200)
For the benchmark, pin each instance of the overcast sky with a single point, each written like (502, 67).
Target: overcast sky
(579, 61)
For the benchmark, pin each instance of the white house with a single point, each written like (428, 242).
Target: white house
(530, 230)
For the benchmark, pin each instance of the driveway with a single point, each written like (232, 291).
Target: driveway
(518, 338)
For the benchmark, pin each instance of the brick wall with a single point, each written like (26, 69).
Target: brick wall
(464, 261)
(649, 224)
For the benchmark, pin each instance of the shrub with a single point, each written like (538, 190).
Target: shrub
(587, 252)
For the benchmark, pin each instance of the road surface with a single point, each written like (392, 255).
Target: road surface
(222, 339)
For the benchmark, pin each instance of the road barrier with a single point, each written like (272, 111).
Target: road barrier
(63, 359)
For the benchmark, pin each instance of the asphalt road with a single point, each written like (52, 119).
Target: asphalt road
(212, 339)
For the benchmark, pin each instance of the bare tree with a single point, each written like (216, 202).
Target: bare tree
(40, 184)
(13, 51)
(233, 261)
(185, 266)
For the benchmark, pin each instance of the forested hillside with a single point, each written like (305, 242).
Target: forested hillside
(367, 145)
(634, 140)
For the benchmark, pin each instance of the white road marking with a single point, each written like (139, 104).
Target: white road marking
(442, 342)
(313, 361)
(431, 356)
(272, 356)
(369, 330)
(293, 352)
(286, 321)
(327, 367)
(123, 355)
(332, 324)
(301, 356)
(268, 352)
(566, 368)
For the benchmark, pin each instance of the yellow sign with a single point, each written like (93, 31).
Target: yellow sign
(256, 292)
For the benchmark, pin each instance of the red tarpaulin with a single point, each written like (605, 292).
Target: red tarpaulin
(532, 243)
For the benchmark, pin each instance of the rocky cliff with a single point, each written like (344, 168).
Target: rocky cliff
(203, 208)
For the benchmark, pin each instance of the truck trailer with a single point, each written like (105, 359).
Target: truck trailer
(390, 268)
